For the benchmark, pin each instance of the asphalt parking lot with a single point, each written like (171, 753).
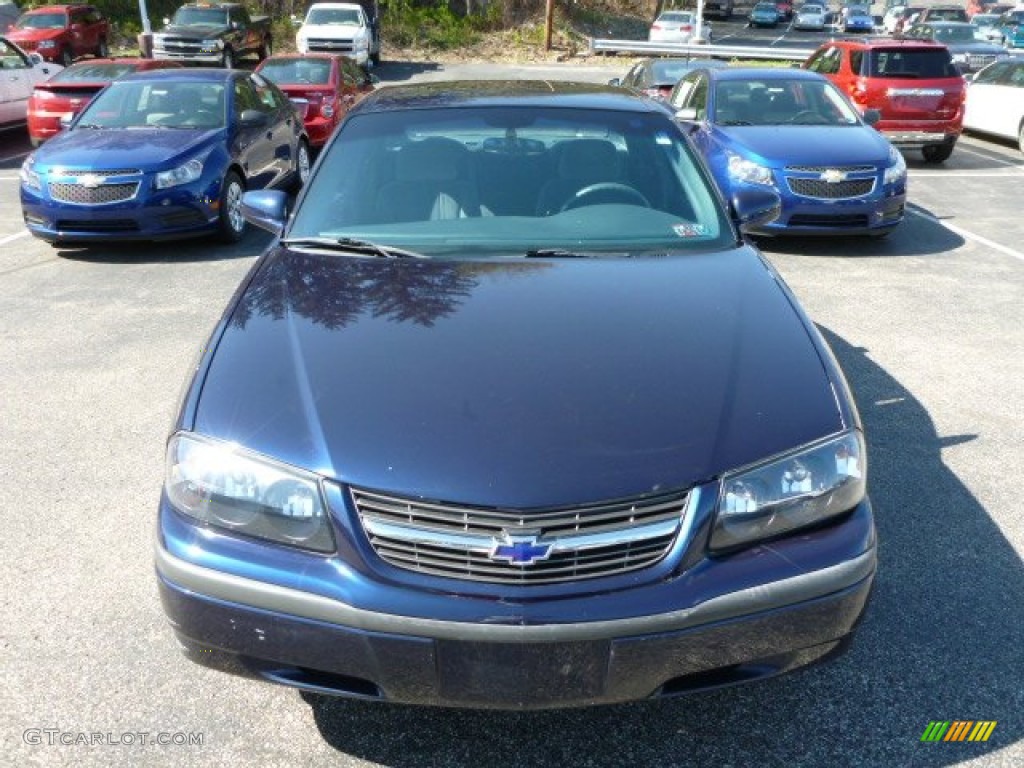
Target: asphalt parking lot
(928, 325)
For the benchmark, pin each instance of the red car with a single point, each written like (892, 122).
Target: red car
(323, 87)
(62, 33)
(67, 92)
(914, 84)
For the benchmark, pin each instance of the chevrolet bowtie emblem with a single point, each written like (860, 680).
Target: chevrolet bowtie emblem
(833, 176)
(90, 180)
(520, 549)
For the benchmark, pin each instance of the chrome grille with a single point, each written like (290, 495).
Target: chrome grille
(98, 195)
(73, 173)
(823, 168)
(818, 188)
(330, 45)
(461, 542)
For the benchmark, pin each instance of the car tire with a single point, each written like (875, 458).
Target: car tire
(375, 58)
(937, 153)
(64, 58)
(231, 225)
(227, 59)
(102, 50)
(266, 50)
(303, 162)
(1020, 137)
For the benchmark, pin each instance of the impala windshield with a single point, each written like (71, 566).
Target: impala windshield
(512, 179)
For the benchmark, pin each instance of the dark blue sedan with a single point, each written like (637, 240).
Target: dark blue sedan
(164, 154)
(793, 131)
(511, 415)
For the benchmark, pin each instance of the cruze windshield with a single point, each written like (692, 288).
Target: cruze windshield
(165, 104)
(514, 181)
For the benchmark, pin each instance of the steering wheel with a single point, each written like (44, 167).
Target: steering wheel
(815, 118)
(622, 192)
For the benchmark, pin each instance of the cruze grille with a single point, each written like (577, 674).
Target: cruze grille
(821, 189)
(93, 195)
(824, 168)
(520, 547)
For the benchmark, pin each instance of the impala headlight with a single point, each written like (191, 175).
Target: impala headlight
(183, 174)
(897, 170)
(741, 169)
(228, 487)
(800, 489)
(212, 45)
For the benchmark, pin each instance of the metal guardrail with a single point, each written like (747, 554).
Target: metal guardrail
(706, 50)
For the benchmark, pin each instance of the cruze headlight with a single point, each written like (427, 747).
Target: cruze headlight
(741, 169)
(228, 487)
(897, 170)
(802, 488)
(183, 174)
(28, 176)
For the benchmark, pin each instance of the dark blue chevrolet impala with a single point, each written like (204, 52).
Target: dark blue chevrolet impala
(511, 415)
(164, 154)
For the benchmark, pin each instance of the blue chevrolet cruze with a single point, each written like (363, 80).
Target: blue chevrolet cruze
(794, 132)
(164, 154)
(511, 415)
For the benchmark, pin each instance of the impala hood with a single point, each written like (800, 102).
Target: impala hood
(519, 383)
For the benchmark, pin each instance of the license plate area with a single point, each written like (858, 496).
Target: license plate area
(522, 675)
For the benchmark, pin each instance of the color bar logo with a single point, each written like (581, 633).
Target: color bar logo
(958, 730)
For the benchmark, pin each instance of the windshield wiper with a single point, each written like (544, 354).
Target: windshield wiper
(353, 245)
(90, 126)
(555, 253)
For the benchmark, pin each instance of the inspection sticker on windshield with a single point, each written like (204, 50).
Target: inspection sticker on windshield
(689, 229)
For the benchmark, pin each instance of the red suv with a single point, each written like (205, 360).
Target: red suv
(913, 84)
(62, 33)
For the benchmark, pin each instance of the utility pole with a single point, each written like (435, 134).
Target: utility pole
(549, 15)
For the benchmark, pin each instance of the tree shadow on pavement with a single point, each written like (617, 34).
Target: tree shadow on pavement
(399, 71)
(941, 640)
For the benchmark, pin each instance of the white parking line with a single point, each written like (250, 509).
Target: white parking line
(962, 147)
(12, 238)
(968, 235)
(15, 157)
(961, 174)
(8, 178)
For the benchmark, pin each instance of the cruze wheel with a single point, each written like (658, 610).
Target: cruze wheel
(232, 224)
(302, 164)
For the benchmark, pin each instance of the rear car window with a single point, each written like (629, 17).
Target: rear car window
(911, 64)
